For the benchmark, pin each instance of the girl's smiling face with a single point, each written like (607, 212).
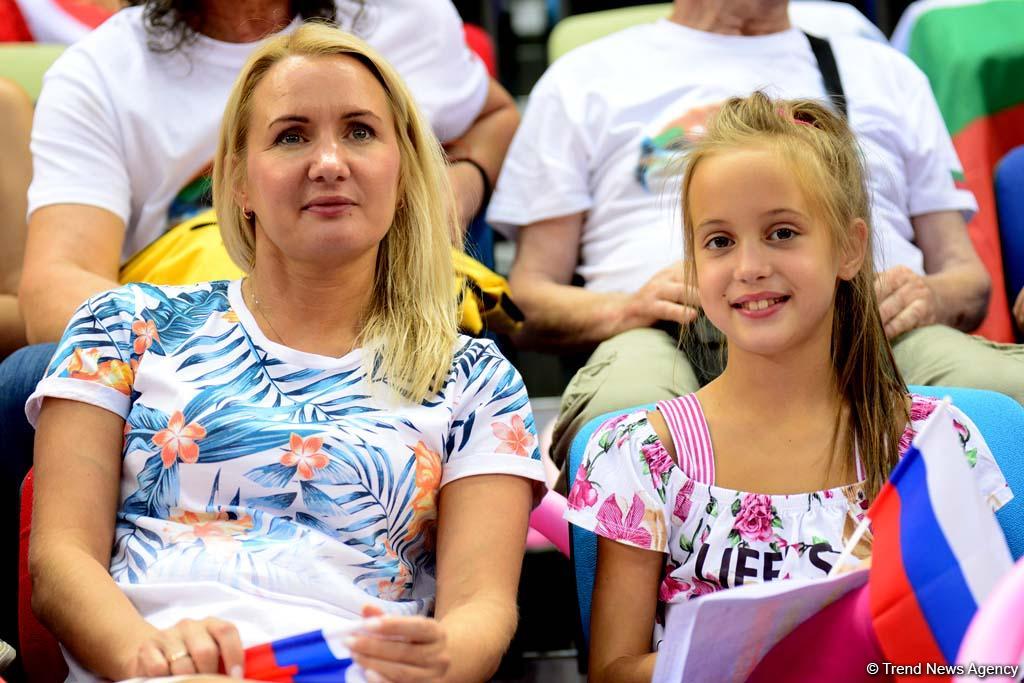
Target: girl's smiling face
(766, 264)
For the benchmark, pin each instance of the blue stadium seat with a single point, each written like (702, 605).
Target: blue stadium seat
(999, 418)
(1009, 188)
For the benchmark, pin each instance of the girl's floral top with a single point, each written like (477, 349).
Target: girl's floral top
(629, 489)
(268, 485)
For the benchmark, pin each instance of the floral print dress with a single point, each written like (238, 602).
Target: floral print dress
(629, 489)
(267, 486)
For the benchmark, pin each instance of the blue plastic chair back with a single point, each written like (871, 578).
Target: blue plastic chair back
(998, 417)
(1009, 189)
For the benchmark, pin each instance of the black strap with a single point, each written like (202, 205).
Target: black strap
(823, 54)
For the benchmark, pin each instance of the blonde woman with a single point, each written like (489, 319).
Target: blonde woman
(306, 447)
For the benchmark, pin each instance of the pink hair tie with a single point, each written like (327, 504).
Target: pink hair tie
(794, 117)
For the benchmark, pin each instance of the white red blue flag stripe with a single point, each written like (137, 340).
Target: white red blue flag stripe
(948, 551)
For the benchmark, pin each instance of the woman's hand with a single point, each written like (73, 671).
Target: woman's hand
(400, 649)
(190, 647)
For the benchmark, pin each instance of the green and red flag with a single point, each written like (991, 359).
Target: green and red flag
(973, 55)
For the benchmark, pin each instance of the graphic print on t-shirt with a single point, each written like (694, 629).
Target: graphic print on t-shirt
(193, 199)
(662, 154)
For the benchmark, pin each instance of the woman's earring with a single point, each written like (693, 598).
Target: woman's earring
(247, 214)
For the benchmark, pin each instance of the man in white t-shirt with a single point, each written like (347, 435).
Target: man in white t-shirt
(590, 188)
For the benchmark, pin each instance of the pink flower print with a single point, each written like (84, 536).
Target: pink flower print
(704, 534)
(583, 493)
(755, 517)
(683, 501)
(145, 334)
(659, 462)
(702, 587)
(178, 440)
(611, 424)
(828, 493)
(671, 586)
(962, 432)
(612, 525)
(921, 408)
(515, 437)
(906, 438)
(305, 455)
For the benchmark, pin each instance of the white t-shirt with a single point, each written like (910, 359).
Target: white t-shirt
(271, 487)
(126, 129)
(603, 128)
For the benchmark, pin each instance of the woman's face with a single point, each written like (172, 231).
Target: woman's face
(322, 162)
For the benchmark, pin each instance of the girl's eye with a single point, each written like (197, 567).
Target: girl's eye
(289, 137)
(784, 233)
(718, 242)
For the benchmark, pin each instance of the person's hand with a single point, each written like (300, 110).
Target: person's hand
(190, 647)
(400, 649)
(905, 301)
(1018, 311)
(665, 296)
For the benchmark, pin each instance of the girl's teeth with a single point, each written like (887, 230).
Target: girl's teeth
(760, 305)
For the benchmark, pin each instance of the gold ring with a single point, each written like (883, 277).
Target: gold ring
(178, 655)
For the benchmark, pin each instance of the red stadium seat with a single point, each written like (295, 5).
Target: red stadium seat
(40, 656)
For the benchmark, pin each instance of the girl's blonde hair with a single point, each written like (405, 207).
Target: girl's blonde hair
(410, 327)
(826, 160)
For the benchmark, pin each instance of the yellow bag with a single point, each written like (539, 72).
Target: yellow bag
(193, 251)
(485, 300)
(190, 252)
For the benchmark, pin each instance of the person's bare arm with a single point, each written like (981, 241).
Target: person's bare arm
(73, 252)
(561, 315)
(77, 481)
(482, 523)
(77, 475)
(622, 621)
(486, 142)
(955, 288)
(15, 174)
(953, 269)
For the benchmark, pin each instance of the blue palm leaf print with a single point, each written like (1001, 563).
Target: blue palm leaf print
(157, 492)
(272, 476)
(357, 501)
(280, 501)
(178, 309)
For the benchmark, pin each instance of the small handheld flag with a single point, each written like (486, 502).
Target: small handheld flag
(313, 657)
(938, 550)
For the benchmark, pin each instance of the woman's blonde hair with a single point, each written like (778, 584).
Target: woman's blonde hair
(410, 327)
(826, 161)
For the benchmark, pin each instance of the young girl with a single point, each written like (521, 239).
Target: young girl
(763, 473)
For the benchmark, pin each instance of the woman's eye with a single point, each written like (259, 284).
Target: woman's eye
(289, 137)
(718, 242)
(782, 234)
(362, 133)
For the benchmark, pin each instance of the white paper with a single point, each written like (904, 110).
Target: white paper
(722, 636)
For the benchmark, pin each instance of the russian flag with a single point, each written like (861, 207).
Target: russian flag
(938, 550)
(314, 657)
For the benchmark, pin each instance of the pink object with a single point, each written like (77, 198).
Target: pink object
(996, 634)
(837, 643)
(546, 520)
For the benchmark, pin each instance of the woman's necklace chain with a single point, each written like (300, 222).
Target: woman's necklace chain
(263, 313)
